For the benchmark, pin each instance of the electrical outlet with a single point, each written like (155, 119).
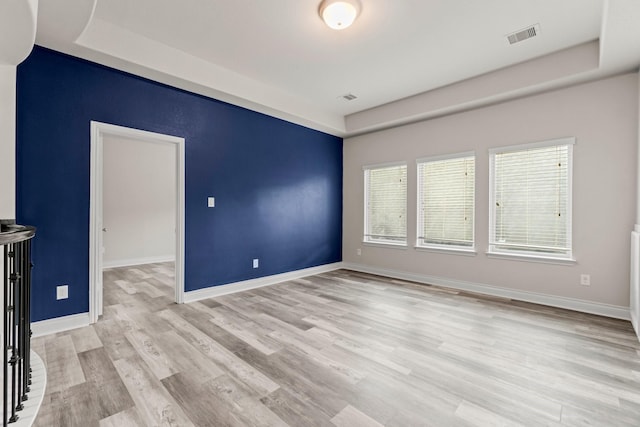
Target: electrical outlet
(256, 263)
(585, 280)
(359, 251)
(62, 292)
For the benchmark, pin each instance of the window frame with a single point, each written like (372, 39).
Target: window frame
(558, 258)
(366, 236)
(463, 249)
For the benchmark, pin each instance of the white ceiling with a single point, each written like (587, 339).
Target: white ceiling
(278, 57)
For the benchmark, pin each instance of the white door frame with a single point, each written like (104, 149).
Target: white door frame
(98, 131)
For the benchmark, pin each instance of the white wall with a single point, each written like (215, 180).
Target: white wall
(139, 201)
(7, 156)
(7, 141)
(638, 171)
(603, 116)
(634, 293)
(18, 23)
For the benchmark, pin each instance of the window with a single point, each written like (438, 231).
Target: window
(530, 199)
(446, 196)
(385, 218)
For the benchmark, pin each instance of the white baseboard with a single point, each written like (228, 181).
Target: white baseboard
(59, 324)
(138, 261)
(245, 285)
(614, 311)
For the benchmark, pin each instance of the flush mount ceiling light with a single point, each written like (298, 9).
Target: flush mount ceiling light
(339, 14)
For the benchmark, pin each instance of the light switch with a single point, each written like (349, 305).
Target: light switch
(62, 292)
(211, 202)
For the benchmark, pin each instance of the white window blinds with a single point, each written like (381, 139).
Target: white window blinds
(531, 199)
(386, 204)
(446, 197)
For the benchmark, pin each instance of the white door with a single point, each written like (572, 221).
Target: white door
(97, 228)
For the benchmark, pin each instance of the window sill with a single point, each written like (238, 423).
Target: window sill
(444, 250)
(532, 258)
(402, 246)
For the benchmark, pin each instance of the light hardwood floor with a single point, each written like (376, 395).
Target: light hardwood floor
(336, 349)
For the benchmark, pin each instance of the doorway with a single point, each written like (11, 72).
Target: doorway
(101, 133)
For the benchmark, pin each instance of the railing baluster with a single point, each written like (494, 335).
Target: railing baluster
(13, 278)
(20, 285)
(16, 243)
(27, 315)
(7, 324)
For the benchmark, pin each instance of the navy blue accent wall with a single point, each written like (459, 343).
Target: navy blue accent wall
(278, 186)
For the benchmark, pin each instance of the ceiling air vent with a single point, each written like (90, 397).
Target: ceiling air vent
(521, 35)
(349, 97)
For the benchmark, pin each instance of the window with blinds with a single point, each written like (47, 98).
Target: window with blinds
(446, 198)
(386, 204)
(531, 199)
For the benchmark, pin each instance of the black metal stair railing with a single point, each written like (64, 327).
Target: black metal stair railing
(15, 241)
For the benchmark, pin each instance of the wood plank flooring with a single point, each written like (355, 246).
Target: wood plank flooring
(336, 349)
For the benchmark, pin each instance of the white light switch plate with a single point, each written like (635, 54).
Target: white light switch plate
(211, 202)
